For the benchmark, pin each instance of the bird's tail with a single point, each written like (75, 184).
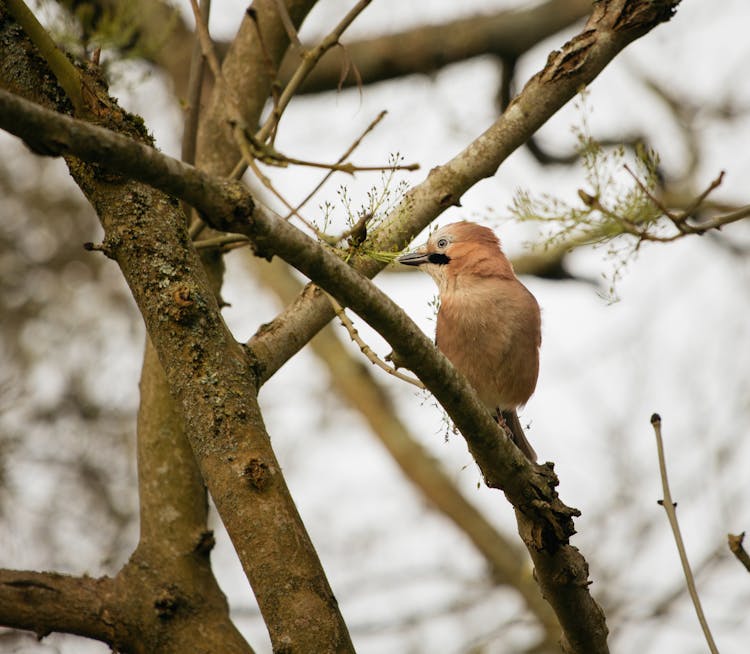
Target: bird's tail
(519, 438)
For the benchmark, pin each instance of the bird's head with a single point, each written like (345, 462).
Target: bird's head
(459, 251)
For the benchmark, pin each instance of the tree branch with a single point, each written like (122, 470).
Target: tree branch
(367, 350)
(44, 602)
(170, 568)
(361, 389)
(545, 521)
(669, 508)
(612, 26)
(194, 92)
(310, 59)
(211, 376)
(249, 68)
(64, 71)
(735, 546)
(425, 49)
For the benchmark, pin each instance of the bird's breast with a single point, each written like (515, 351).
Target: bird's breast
(491, 334)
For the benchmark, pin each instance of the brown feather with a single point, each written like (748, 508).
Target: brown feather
(489, 324)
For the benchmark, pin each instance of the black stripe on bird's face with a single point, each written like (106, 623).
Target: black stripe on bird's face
(438, 258)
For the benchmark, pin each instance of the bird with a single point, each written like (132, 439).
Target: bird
(488, 323)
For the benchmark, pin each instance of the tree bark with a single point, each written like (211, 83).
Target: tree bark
(208, 372)
(216, 381)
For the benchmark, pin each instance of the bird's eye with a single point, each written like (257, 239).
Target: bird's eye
(442, 243)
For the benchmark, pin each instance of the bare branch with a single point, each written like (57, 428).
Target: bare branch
(669, 507)
(426, 49)
(603, 37)
(310, 59)
(736, 547)
(259, 46)
(44, 602)
(698, 202)
(544, 522)
(286, 21)
(679, 220)
(367, 350)
(224, 242)
(65, 72)
(195, 89)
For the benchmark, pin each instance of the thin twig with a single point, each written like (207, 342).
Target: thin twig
(286, 21)
(309, 60)
(222, 242)
(207, 45)
(349, 168)
(366, 349)
(252, 147)
(195, 87)
(678, 220)
(194, 92)
(700, 199)
(342, 158)
(196, 227)
(735, 546)
(669, 507)
(269, 185)
(75, 85)
(722, 219)
(647, 191)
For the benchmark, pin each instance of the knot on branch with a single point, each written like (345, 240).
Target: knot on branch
(550, 521)
(258, 474)
(182, 307)
(572, 57)
(233, 207)
(167, 603)
(644, 15)
(206, 542)
(98, 247)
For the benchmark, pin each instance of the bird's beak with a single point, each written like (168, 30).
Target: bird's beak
(414, 258)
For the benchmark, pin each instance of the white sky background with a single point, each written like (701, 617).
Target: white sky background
(676, 343)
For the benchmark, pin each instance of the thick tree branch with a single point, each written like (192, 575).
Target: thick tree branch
(612, 25)
(545, 522)
(170, 569)
(211, 376)
(423, 49)
(355, 383)
(52, 134)
(250, 67)
(44, 602)
(127, 612)
(426, 49)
